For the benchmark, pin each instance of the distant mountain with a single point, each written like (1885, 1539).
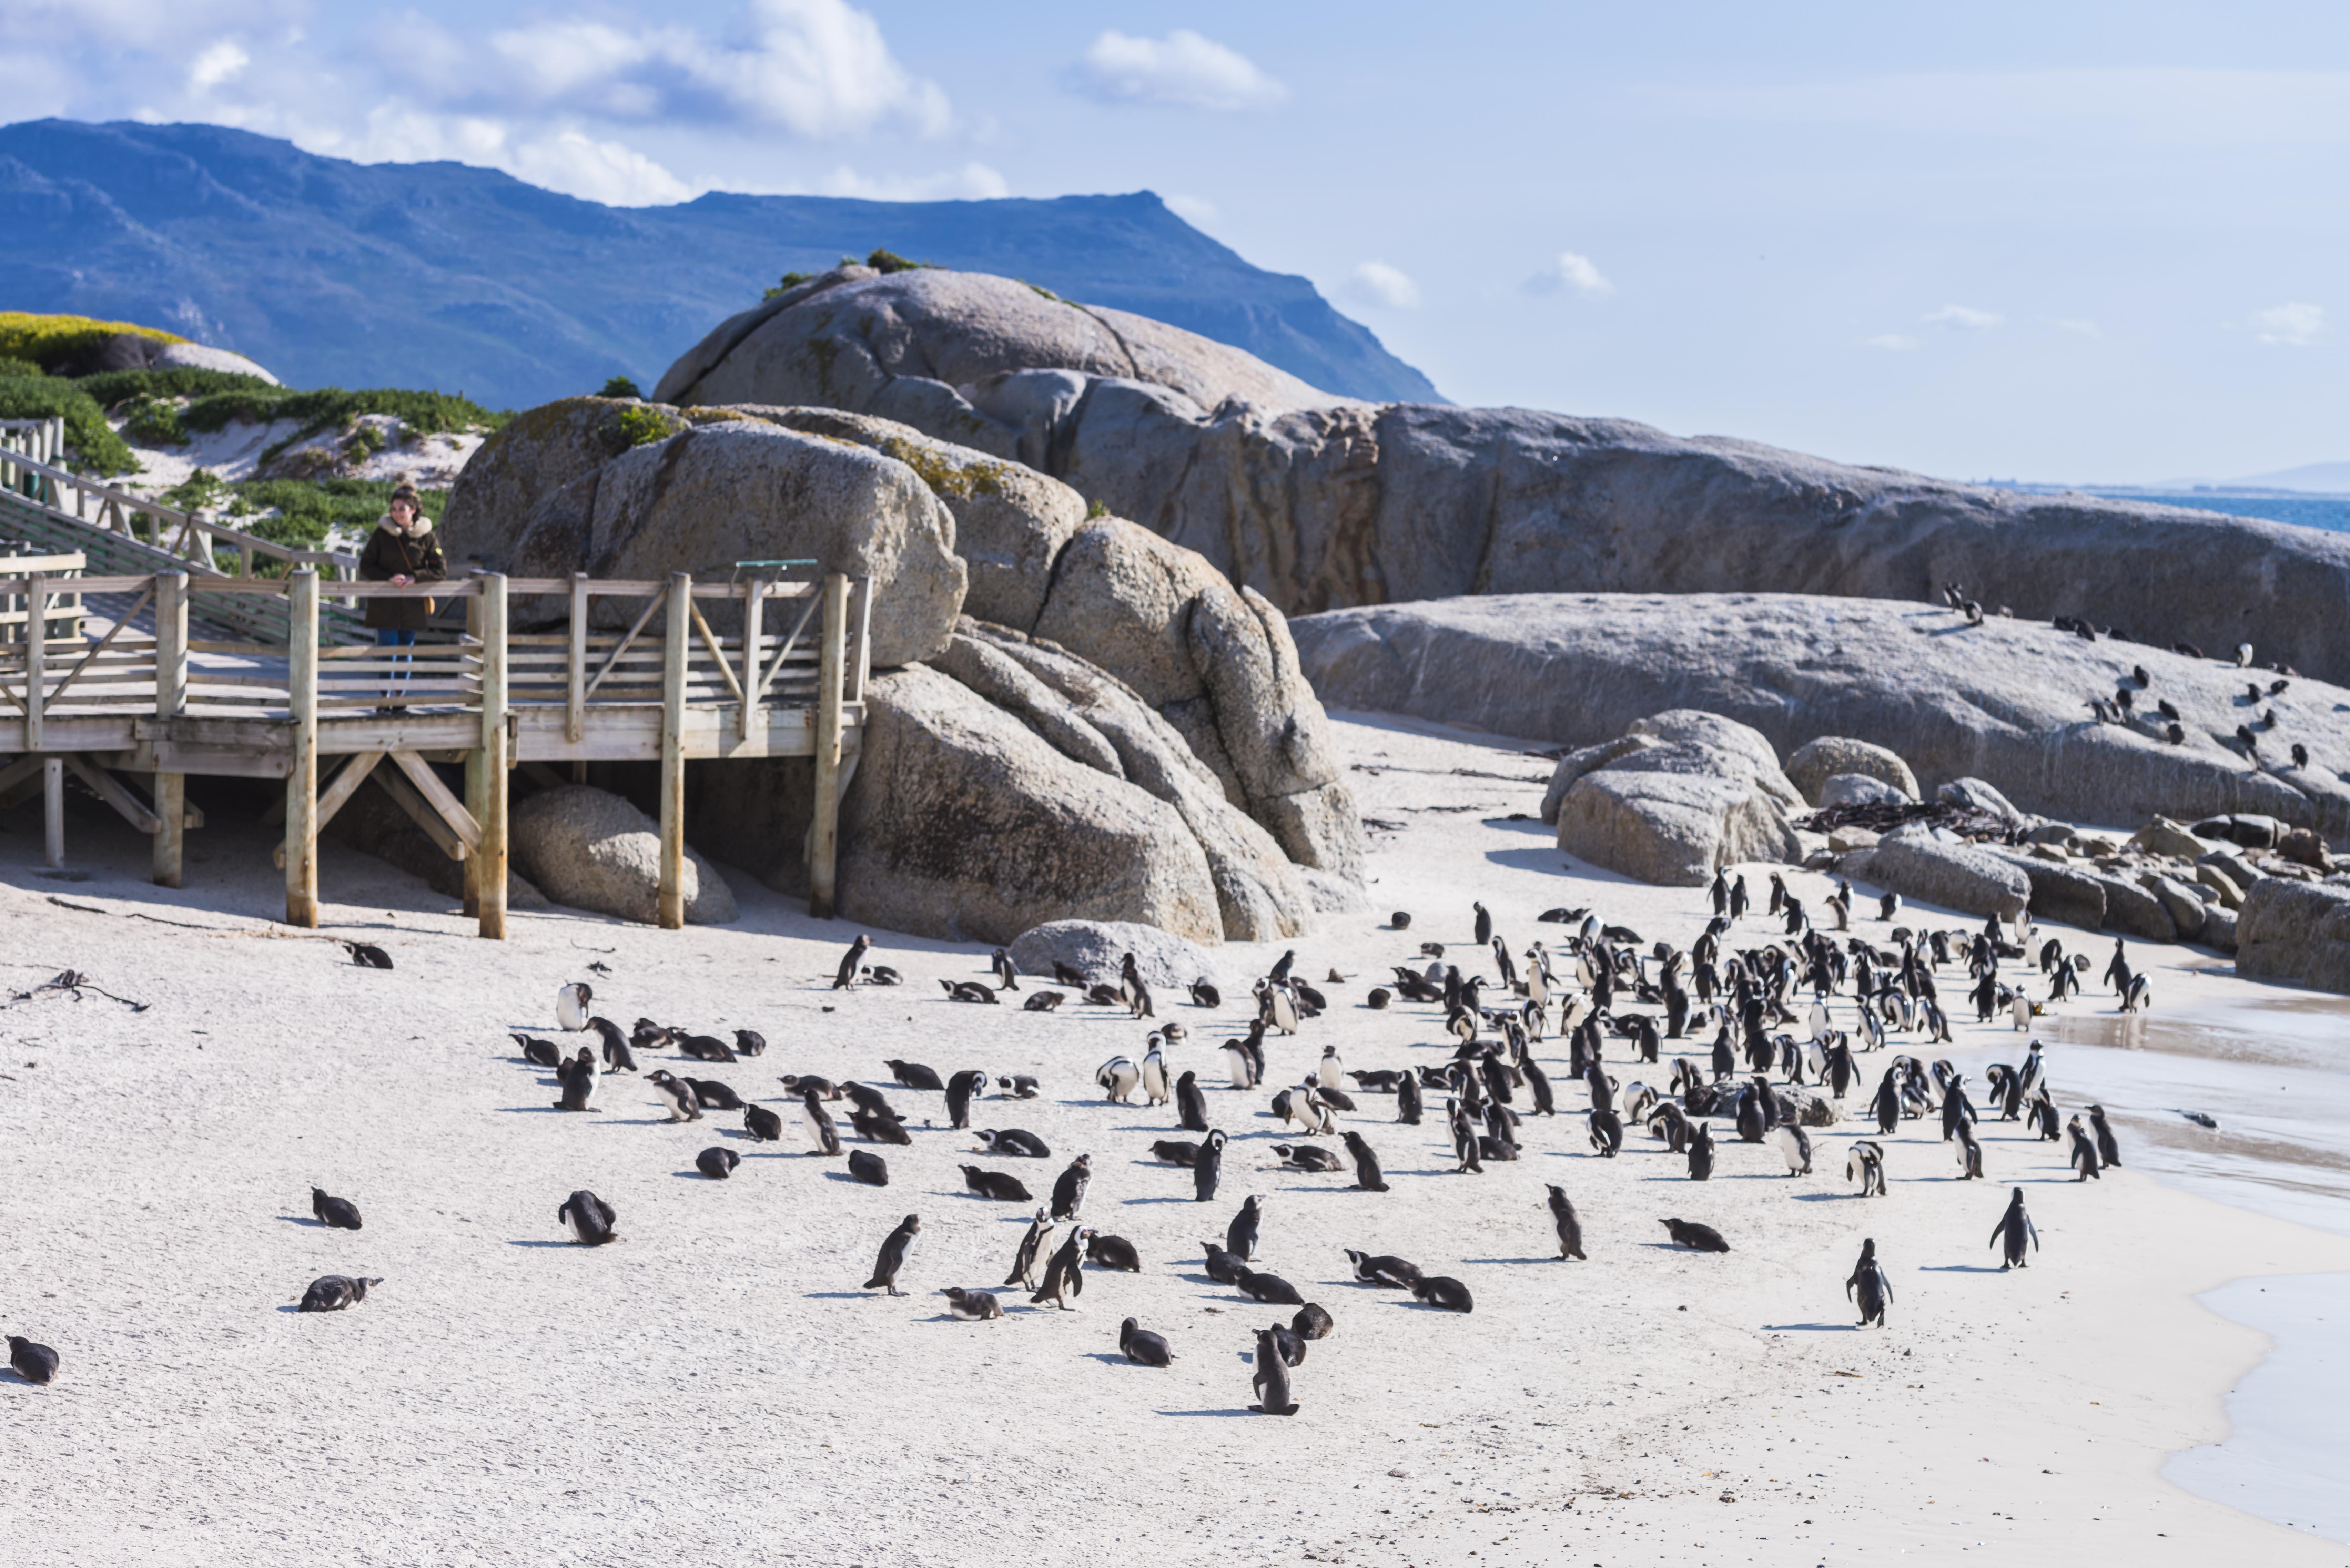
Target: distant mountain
(442, 276)
(2320, 478)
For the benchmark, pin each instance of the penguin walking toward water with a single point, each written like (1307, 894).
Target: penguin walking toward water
(571, 1006)
(823, 1134)
(340, 1213)
(1208, 1167)
(1064, 1281)
(895, 1249)
(1032, 1248)
(847, 974)
(1869, 1286)
(2084, 1157)
(588, 1219)
(1866, 1159)
(38, 1364)
(1069, 1191)
(2109, 1149)
(1271, 1379)
(2013, 1229)
(1569, 1225)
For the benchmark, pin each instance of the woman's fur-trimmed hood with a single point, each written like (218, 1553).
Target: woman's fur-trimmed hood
(417, 530)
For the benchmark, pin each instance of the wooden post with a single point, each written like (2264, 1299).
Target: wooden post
(53, 810)
(476, 778)
(492, 816)
(302, 776)
(36, 656)
(171, 696)
(755, 603)
(575, 723)
(824, 837)
(672, 909)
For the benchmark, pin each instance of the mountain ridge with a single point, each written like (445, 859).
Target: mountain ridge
(465, 279)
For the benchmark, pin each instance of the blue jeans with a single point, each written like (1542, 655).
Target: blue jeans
(394, 637)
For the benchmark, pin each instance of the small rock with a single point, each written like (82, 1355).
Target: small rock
(1974, 794)
(1815, 762)
(2164, 837)
(1859, 789)
(1168, 963)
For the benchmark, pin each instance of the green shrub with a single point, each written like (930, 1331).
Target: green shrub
(619, 387)
(18, 368)
(110, 389)
(1094, 510)
(424, 413)
(639, 426)
(52, 339)
(96, 449)
(154, 421)
(890, 261)
(791, 280)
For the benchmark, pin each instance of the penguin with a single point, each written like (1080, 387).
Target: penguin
(969, 990)
(1606, 1133)
(1700, 1154)
(1240, 1236)
(1288, 1346)
(1887, 1106)
(866, 1166)
(1270, 1289)
(1970, 1154)
(1277, 1007)
(1223, 1268)
(38, 1364)
(1240, 1069)
(847, 974)
(913, 1074)
(1464, 1142)
(881, 974)
(2108, 1150)
(1118, 1077)
(1190, 1105)
(578, 1078)
(1443, 1292)
(1701, 1238)
(705, 1048)
(1063, 975)
(1115, 1252)
(1570, 1227)
(712, 1096)
(1043, 1002)
(327, 1292)
(894, 1249)
(1311, 1323)
(1155, 1087)
(1032, 1248)
(997, 1186)
(1794, 1148)
(538, 1052)
(571, 1006)
(1381, 1269)
(1175, 1151)
(1866, 1159)
(1957, 1109)
(1873, 1291)
(1204, 994)
(1306, 1156)
(1141, 1346)
(750, 1043)
(962, 1089)
(618, 1056)
(677, 1096)
(1368, 1177)
(1064, 1280)
(342, 1214)
(1069, 1191)
(1753, 1108)
(2084, 1158)
(824, 1137)
(716, 1163)
(765, 1125)
(1209, 1167)
(1409, 1103)
(588, 1219)
(1013, 1142)
(1018, 1086)
(972, 1306)
(1271, 1379)
(1007, 978)
(1132, 990)
(2014, 1228)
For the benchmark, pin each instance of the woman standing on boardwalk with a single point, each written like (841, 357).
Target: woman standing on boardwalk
(401, 551)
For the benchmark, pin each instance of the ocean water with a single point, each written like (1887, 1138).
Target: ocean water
(2328, 512)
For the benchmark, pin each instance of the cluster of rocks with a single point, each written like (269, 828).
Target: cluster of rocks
(1068, 716)
(1672, 800)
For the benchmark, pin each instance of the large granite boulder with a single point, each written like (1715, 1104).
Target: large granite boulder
(372, 823)
(1817, 761)
(1932, 867)
(1702, 794)
(1098, 949)
(591, 849)
(2006, 701)
(2296, 932)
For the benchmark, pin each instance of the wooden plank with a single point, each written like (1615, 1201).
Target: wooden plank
(626, 642)
(860, 666)
(492, 880)
(53, 811)
(452, 810)
(576, 661)
(128, 806)
(171, 696)
(36, 653)
(670, 909)
(347, 783)
(420, 811)
(717, 654)
(476, 782)
(302, 774)
(824, 834)
(749, 694)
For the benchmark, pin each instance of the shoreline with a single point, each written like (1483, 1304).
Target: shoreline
(686, 1392)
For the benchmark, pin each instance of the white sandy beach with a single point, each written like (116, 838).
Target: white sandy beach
(715, 1386)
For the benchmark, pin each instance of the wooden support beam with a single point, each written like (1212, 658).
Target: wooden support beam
(491, 882)
(670, 903)
(332, 798)
(824, 834)
(477, 784)
(754, 606)
(302, 777)
(53, 810)
(576, 718)
(451, 811)
(131, 809)
(420, 811)
(171, 697)
(36, 650)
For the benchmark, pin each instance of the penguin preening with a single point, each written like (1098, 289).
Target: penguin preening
(571, 1004)
(588, 1219)
(1271, 1378)
(1069, 1191)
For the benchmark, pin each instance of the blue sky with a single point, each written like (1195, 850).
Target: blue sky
(2084, 242)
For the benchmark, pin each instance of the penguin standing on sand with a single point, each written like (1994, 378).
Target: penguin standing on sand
(1031, 1247)
(571, 1006)
(1190, 1105)
(1240, 1236)
(1131, 989)
(1408, 1100)
(1700, 1154)
(1064, 1281)
(1367, 1175)
(2013, 1229)
(1271, 1380)
(823, 1134)
(2084, 1157)
(578, 1077)
(1155, 1086)
(1069, 1191)
(1869, 1286)
(962, 1089)
(2108, 1150)
(847, 975)
(1209, 1167)
(895, 1247)
(1570, 1227)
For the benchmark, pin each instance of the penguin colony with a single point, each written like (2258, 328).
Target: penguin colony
(1752, 1030)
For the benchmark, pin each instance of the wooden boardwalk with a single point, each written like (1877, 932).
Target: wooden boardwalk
(271, 677)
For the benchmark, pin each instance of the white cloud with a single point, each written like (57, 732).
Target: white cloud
(1383, 284)
(2294, 326)
(1570, 271)
(974, 182)
(1891, 341)
(1962, 315)
(579, 165)
(1196, 211)
(216, 65)
(1183, 69)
